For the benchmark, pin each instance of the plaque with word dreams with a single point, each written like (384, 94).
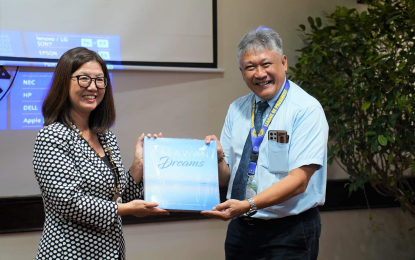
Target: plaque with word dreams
(181, 174)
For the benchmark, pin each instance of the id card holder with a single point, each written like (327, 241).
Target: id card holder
(251, 187)
(117, 197)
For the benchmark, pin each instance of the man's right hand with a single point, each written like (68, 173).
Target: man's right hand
(223, 168)
(227, 210)
(219, 148)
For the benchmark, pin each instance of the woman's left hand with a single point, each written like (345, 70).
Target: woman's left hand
(136, 169)
(138, 154)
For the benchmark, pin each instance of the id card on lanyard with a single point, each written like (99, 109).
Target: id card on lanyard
(256, 139)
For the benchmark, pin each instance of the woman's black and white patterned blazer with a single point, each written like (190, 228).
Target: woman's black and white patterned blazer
(77, 188)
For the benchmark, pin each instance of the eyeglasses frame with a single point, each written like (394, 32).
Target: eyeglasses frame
(92, 79)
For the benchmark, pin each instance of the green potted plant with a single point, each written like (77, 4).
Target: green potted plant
(361, 67)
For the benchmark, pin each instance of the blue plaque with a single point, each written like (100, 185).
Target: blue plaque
(181, 174)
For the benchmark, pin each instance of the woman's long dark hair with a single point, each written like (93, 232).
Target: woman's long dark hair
(56, 107)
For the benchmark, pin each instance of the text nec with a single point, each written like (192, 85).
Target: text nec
(29, 82)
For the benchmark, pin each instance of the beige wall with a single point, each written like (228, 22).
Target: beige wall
(194, 105)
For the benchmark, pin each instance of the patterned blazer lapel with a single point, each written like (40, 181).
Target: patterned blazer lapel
(108, 142)
(89, 152)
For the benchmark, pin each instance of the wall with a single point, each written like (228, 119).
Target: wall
(194, 105)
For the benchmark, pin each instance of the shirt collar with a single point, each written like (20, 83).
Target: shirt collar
(272, 101)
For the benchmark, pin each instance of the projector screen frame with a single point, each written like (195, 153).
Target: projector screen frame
(130, 65)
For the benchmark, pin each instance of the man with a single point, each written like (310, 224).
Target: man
(272, 151)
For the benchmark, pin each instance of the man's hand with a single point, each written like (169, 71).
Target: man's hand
(228, 209)
(219, 149)
(223, 168)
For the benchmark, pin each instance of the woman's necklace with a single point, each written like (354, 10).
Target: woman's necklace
(114, 169)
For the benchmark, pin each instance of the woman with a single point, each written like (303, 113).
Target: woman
(78, 166)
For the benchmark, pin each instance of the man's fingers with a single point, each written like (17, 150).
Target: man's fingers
(210, 214)
(221, 206)
(210, 138)
(214, 214)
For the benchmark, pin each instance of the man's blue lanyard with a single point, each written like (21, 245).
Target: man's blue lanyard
(257, 139)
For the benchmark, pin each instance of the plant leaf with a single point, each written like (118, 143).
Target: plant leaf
(318, 21)
(382, 140)
(390, 139)
(401, 65)
(391, 19)
(363, 15)
(310, 21)
(318, 58)
(390, 157)
(357, 70)
(366, 105)
(330, 161)
(379, 57)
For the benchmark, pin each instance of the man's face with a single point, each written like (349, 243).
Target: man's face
(263, 72)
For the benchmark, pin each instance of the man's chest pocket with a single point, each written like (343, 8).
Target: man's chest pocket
(277, 157)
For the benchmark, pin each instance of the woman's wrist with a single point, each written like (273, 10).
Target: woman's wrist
(136, 170)
(138, 162)
(123, 209)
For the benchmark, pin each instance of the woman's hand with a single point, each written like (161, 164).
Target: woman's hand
(138, 153)
(136, 170)
(140, 208)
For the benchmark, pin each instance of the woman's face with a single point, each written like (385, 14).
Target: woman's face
(84, 100)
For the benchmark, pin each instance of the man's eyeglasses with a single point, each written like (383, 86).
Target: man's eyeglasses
(84, 81)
